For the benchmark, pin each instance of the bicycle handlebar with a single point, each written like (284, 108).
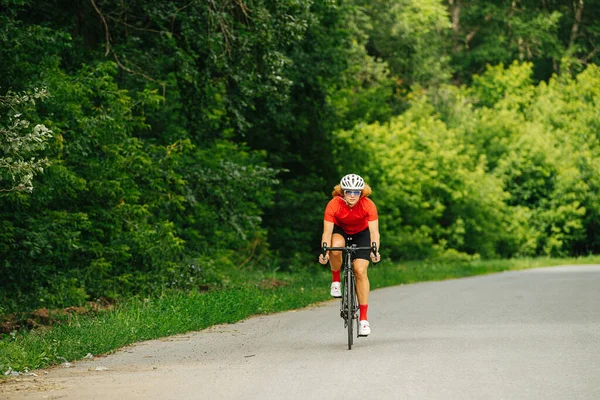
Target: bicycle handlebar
(353, 249)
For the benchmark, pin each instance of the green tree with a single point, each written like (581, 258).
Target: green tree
(541, 32)
(431, 193)
(528, 141)
(412, 37)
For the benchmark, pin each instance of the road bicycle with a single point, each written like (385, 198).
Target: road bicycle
(349, 302)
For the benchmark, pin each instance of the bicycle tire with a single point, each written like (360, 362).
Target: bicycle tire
(351, 293)
(344, 298)
(355, 308)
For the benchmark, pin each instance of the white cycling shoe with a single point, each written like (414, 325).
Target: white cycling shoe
(364, 329)
(336, 289)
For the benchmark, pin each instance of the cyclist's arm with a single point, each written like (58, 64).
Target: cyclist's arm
(327, 233)
(326, 238)
(328, 224)
(374, 231)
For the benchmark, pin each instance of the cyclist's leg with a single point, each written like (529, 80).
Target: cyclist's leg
(362, 280)
(335, 262)
(362, 291)
(361, 265)
(335, 257)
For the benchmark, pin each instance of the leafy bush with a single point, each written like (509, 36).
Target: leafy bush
(20, 142)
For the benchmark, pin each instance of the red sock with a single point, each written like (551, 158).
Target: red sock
(363, 312)
(335, 276)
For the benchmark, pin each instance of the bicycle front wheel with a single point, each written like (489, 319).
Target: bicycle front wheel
(350, 300)
(355, 308)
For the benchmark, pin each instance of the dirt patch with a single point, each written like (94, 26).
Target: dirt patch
(44, 317)
(27, 385)
(272, 283)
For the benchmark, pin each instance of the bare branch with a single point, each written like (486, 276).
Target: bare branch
(243, 8)
(226, 34)
(105, 27)
(135, 27)
(472, 34)
(177, 12)
(587, 58)
(455, 13)
(120, 64)
(576, 22)
(254, 245)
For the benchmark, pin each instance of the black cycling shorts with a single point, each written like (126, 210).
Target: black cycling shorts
(360, 239)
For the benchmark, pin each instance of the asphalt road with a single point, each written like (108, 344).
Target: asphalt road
(531, 334)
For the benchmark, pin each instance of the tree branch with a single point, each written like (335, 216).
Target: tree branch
(118, 61)
(120, 64)
(576, 22)
(175, 16)
(105, 27)
(254, 245)
(455, 15)
(587, 58)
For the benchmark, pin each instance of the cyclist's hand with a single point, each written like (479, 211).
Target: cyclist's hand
(375, 257)
(323, 259)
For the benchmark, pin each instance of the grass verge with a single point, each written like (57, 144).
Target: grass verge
(175, 313)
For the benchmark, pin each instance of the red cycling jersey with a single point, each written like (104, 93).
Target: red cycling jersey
(351, 220)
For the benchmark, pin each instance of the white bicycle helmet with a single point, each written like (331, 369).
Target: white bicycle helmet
(352, 182)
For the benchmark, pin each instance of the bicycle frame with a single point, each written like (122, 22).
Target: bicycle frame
(349, 302)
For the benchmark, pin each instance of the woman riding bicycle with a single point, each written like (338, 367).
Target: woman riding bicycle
(351, 217)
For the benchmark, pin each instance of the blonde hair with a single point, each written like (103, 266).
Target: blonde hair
(338, 191)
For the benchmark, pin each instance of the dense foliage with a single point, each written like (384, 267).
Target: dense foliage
(505, 173)
(152, 145)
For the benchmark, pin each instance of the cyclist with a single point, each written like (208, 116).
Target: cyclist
(350, 216)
